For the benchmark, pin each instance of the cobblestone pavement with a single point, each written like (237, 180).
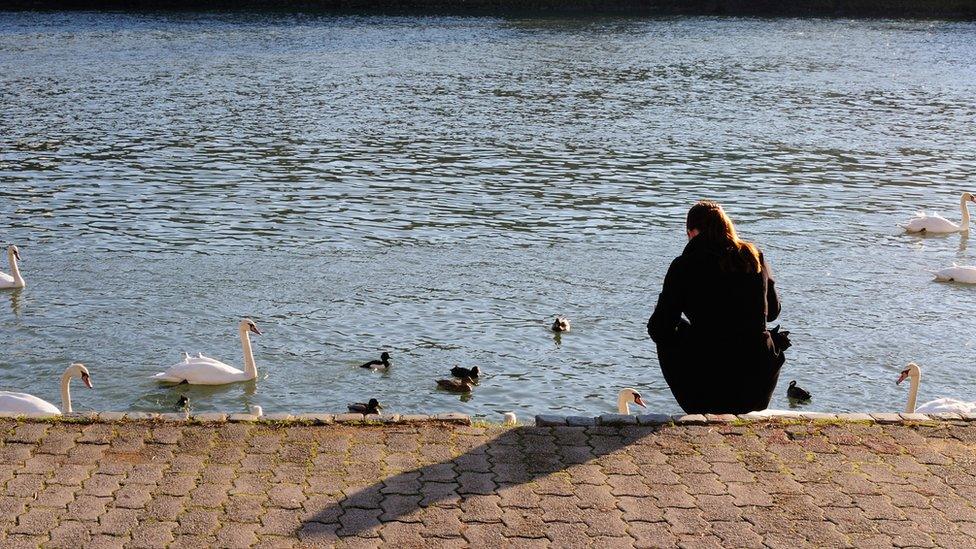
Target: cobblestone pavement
(144, 484)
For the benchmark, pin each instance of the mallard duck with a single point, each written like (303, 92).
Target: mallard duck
(456, 385)
(371, 407)
(470, 373)
(561, 324)
(383, 362)
(796, 393)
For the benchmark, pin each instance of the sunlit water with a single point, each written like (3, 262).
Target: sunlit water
(442, 187)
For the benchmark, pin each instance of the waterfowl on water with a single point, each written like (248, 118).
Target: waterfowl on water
(627, 396)
(12, 280)
(383, 362)
(203, 370)
(371, 407)
(796, 393)
(561, 324)
(456, 385)
(470, 373)
(936, 224)
(940, 405)
(183, 403)
(27, 403)
(963, 275)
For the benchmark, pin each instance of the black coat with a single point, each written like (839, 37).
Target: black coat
(721, 359)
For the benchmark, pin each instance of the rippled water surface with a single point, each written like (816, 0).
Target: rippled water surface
(441, 187)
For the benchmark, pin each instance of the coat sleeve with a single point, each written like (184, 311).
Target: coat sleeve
(772, 299)
(667, 313)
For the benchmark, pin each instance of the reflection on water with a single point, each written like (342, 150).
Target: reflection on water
(439, 187)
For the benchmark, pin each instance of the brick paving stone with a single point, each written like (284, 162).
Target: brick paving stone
(242, 485)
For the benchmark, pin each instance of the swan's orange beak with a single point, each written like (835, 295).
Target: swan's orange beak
(638, 401)
(902, 377)
(87, 380)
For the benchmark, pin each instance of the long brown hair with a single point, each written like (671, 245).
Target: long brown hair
(715, 226)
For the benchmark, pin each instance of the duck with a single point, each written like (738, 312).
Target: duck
(13, 280)
(963, 275)
(951, 405)
(27, 403)
(183, 403)
(470, 373)
(936, 224)
(627, 396)
(456, 385)
(371, 407)
(383, 362)
(561, 324)
(796, 393)
(203, 370)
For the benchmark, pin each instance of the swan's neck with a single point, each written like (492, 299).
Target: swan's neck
(963, 204)
(250, 368)
(65, 394)
(14, 268)
(623, 405)
(912, 394)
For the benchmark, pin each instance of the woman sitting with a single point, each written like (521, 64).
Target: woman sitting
(721, 359)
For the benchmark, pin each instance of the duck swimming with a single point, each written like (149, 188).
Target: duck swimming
(470, 373)
(796, 393)
(383, 362)
(456, 385)
(371, 407)
(561, 324)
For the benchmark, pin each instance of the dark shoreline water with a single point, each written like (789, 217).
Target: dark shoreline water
(921, 9)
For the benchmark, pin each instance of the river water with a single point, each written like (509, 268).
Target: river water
(442, 187)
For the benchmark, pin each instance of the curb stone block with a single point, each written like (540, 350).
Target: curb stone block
(111, 416)
(210, 417)
(580, 421)
(967, 416)
(818, 416)
(347, 418)
(412, 418)
(691, 419)
(137, 416)
(946, 416)
(324, 419)
(887, 418)
(720, 418)
(544, 420)
(854, 417)
(82, 415)
(617, 419)
(237, 418)
(174, 417)
(653, 419)
(454, 417)
(915, 417)
(383, 418)
(277, 416)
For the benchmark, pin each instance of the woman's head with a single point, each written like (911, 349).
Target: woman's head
(708, 221)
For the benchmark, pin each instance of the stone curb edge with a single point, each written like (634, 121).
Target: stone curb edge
(276, 418)
(724, 419)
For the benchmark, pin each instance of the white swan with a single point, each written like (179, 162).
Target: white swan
(934, 406)
(12, 280)
(965, 275)
(25, 403)
(936, 224)
(202, 370)
(625, 397)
